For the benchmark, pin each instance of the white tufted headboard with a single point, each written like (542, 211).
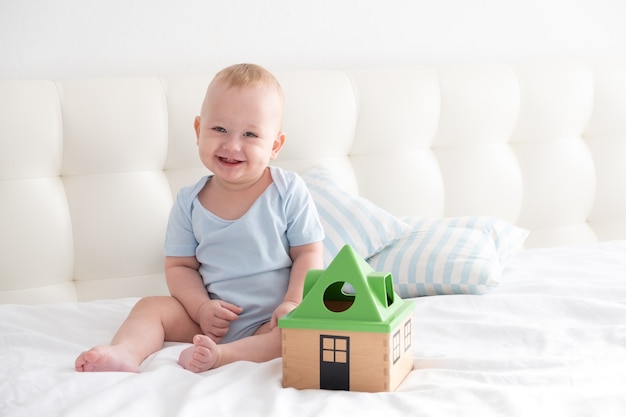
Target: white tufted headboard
(89, 167)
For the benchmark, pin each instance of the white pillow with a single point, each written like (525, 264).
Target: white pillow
(349, 219)
(458, 255)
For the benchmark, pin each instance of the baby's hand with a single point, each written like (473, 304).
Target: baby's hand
(214, 317)
(284, 308)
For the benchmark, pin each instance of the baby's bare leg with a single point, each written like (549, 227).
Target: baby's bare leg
(152, 321)
(205, 354)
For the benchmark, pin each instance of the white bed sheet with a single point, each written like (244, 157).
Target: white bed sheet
(550, 340)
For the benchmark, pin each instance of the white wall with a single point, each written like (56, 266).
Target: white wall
(76, 38)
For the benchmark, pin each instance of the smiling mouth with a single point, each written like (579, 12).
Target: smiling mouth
(229, 161)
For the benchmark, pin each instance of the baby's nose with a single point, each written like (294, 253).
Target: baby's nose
(232, 142)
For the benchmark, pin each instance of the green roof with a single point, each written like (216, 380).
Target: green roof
(367, 304)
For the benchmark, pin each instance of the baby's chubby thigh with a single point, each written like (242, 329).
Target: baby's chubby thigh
(177, 325)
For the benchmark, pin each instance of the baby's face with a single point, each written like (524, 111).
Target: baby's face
(239, 132)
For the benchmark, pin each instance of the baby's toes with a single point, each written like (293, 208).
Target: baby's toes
(202, 354)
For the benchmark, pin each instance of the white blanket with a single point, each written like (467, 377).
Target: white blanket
(549, 341)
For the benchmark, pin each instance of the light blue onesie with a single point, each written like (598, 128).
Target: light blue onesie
(246, 261)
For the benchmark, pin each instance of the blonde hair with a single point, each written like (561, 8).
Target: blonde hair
(247, 75)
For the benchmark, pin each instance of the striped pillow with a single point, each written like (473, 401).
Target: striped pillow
(458, 255)
(348, 219)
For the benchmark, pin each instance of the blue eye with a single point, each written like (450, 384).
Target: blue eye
(219, 129)
(250, 135)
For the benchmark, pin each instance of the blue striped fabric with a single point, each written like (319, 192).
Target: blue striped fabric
(458, 255)
(348, 219)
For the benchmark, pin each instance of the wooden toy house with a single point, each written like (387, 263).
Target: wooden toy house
(354, 337)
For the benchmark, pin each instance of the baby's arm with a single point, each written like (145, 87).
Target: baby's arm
(186, 285)
(304, 258)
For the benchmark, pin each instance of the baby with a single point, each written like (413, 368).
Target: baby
(238, 245)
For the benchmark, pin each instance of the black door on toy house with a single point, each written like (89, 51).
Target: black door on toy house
(334, 362)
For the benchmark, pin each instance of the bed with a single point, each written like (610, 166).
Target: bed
(492, 191)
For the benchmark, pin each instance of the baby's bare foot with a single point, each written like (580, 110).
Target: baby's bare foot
(106, 358)
(202, 356)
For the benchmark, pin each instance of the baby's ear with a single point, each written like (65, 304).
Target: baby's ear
(278, 144)
(196, 127)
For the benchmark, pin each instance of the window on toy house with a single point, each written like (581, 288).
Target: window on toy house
(335, 349)
(396, 346)
(407, 335)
